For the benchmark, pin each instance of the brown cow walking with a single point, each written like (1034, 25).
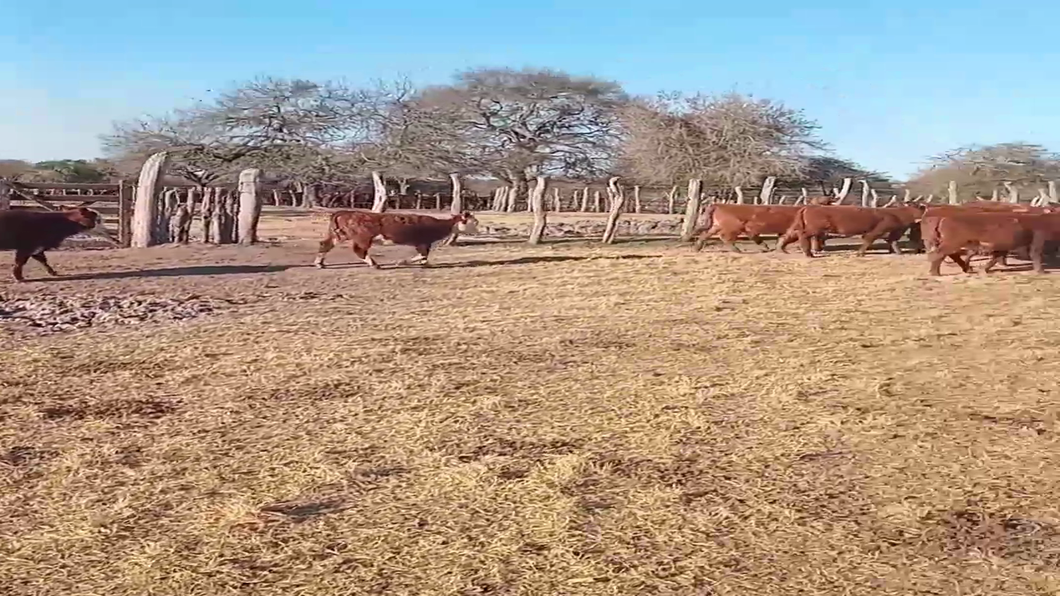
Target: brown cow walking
(361, 228)
(994, 233)
(730, 221)
(30, 233)
(838, 220)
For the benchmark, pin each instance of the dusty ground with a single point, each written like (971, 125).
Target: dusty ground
(564, 420)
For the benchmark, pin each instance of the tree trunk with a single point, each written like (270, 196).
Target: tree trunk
(671, 199)
(457, 206)
(146, 207)
(616, 197)
(537, 205)
(688, 226)
(951, 190)
(379, 199)
(636, 199)
(249, 205)
(766, 195)
(739, 195)
(1013, 192)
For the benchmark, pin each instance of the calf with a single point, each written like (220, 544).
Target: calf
(731, 221)
(837, 220)
(360, 228)
(994, 233)
(31, 233)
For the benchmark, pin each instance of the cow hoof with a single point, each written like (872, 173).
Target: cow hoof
(318, 265)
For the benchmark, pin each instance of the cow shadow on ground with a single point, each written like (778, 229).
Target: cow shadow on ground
(532, 260)
(172, 272)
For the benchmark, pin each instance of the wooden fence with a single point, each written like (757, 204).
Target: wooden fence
(113, 201)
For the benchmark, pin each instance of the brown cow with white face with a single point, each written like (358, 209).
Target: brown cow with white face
(361, 228)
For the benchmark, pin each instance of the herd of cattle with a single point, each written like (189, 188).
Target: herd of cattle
(996, 229)
(985, 227)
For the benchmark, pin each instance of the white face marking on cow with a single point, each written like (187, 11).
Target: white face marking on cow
(468, 227)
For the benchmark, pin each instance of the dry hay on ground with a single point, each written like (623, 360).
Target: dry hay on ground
(568, 420)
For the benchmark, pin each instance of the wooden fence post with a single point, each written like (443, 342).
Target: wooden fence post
(951, 192)
(688, 226)
(636, 199)
(379, 200)
(739, 195)
(146, 207)
(125, 213)
(765, 196)
(864, 193)
(617, 198)
(5, 195)
(841, 193)
(537, 205)
(249, 205)
(1013, 192)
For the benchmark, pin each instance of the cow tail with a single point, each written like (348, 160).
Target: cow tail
(797, 225)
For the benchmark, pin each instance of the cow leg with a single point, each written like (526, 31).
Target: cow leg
(361, 250)
(1037, 251)
(935, 260)
(325, 247)
(892, 241)
(783, 241)
(730, 241)
(866, 242)
(956, 258)
(804, 244)
(817, 244)
(758, 240)
(21, 258)
(424, 251)
(703, 237)
(40, 258)
(995, 256)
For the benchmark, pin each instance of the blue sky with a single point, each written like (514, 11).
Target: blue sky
(890, 82)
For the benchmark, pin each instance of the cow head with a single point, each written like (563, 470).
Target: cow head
(467, 223)
(85, 217)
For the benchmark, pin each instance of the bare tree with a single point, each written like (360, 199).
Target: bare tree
(518, 124)
(727, 140)
(982, 170)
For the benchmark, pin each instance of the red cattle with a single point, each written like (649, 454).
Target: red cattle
(984, 207)
(31, 233)
(360, 228)
(840, 220)
(993, 233)
(731, 221)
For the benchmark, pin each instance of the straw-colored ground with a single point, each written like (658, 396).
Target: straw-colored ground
(564, 420)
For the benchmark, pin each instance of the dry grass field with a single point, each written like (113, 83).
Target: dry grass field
(570, 419)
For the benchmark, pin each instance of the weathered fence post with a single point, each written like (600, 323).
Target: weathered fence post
(876, 198)
(457, 206)
(864, 193)
(688, 226)
(765, 196)
(739, 195)
(557, 200)
(249, 205)
(379, 200)
(146, 207)
(1052, 191)
(671, 200)
(584, 206)
(841, 193)
(616, 197)
(537, 205)
(220, 216)
(5, 195)
(596, 201)
(125, 213)
(951, 192)
(206, 213)
(636, 199)
(1013, 192)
